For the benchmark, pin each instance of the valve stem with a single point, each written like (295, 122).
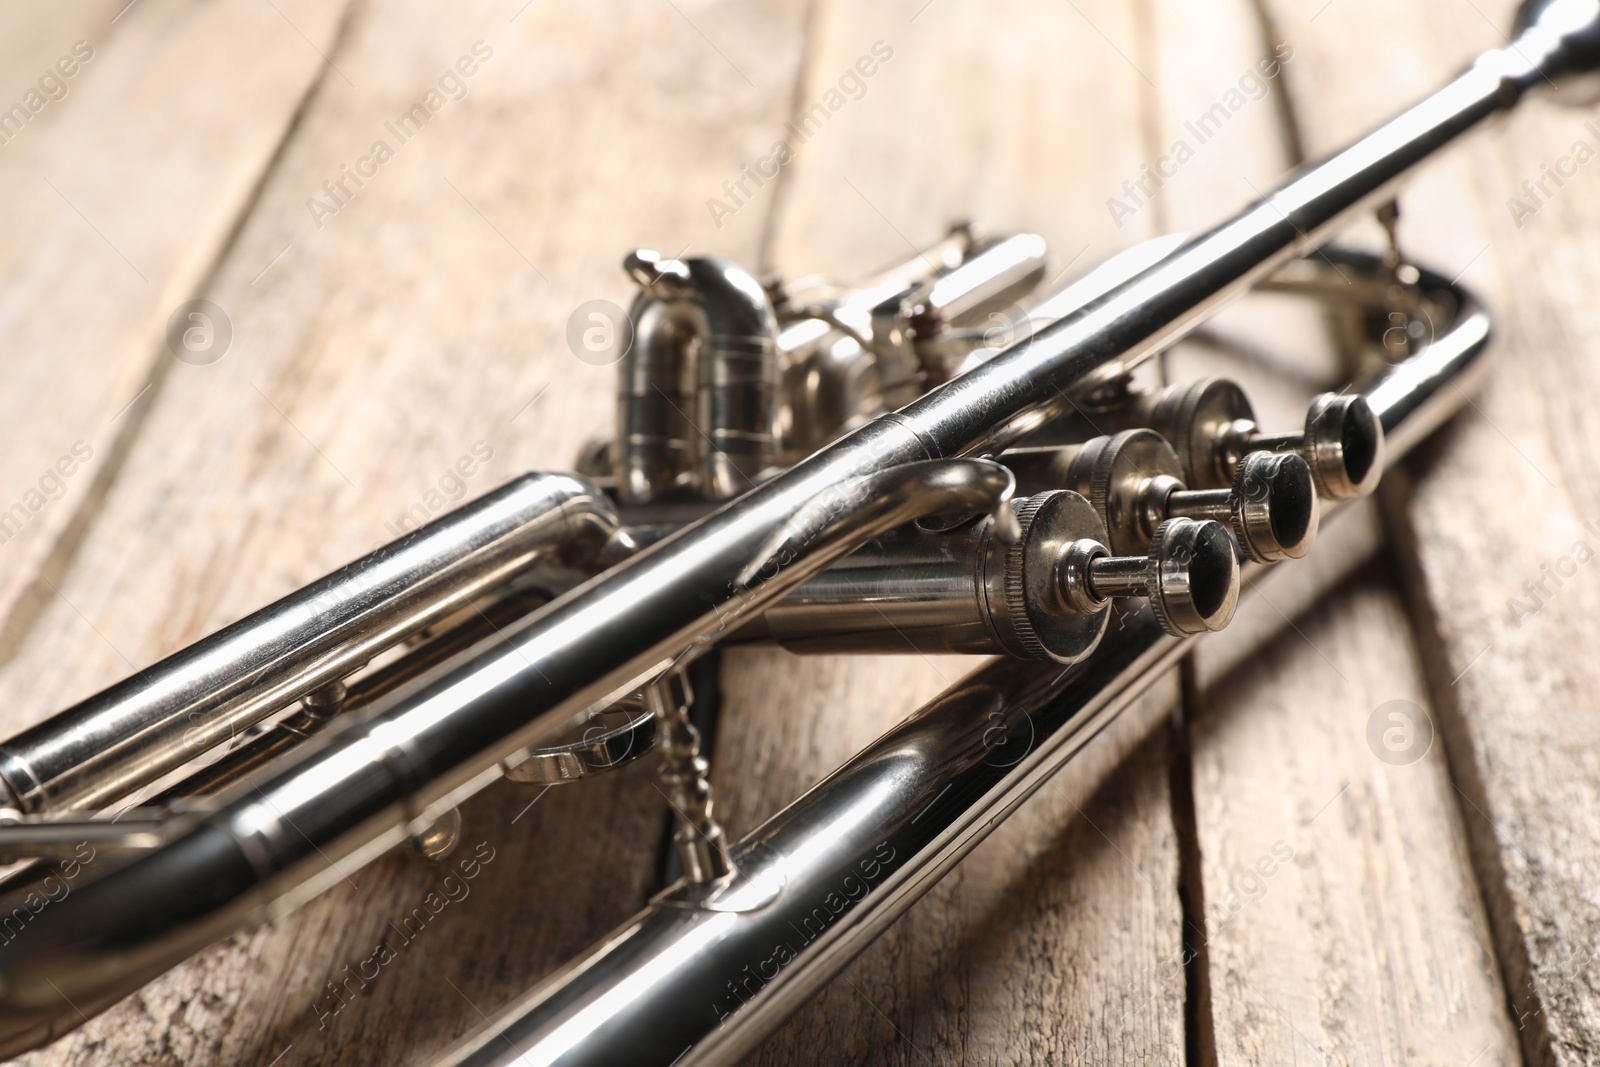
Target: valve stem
(1190, 576)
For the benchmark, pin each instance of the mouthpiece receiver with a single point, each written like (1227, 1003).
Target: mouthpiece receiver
(1190, 576)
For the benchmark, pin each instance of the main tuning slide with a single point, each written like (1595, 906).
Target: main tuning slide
(937, 458)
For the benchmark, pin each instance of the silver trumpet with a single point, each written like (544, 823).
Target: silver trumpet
(828, 468)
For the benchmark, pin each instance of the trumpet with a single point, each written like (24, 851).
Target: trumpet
(863, 468)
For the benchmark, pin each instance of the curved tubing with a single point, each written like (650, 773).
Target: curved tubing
(356, 791)
(693, 983)
(247, 861)
(699, 385)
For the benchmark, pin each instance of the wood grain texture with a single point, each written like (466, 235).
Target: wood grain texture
(1342, 923)
(1218, 127)
(1350, 934)
(120, 195)
(428, 314)
(1058, 940)
(1514, 694)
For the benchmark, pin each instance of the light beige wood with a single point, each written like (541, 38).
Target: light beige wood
(1219, 129)
(1058, 940)
(427, 315)
(1342, 921)
(1353, 934)
(120, 196)
(1514, 695)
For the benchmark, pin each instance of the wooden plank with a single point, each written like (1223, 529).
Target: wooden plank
(383, 428)
(121, 192)
(1058, 940)
(1342, 921)
(426, 316)
(35, 37)
(1506, 492)
(1366, 942)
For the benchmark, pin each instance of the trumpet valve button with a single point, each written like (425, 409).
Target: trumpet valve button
(1190, 576)
(1194, 567)
(1275, 507)
(1343, 443)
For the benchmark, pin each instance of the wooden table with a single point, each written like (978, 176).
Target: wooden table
(1252, 886)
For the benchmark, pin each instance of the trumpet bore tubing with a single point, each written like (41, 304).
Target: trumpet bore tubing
(901, 593)
(252, 858)
(133, 733)
(693, 987)
(703, 324)
(992, 274)
(353, 792)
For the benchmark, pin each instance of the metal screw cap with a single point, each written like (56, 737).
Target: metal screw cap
(1021, 593)
(1129, 476)
(1197, 419)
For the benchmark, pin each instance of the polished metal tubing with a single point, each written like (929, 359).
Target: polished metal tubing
(901, 593)
(58, 836)
(254, 755)
(694, 982)
(848, 353)
(1124, 576)
(704, 324)
(357, 790)
(1419, 394)
(707, 324)
(996, 272)
(945, 255)
(999, 401)
(962, 308)
(739, 374)
(361, 786)
(652, 451)
(1215, 504)
(138, 730)
(693, 985)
